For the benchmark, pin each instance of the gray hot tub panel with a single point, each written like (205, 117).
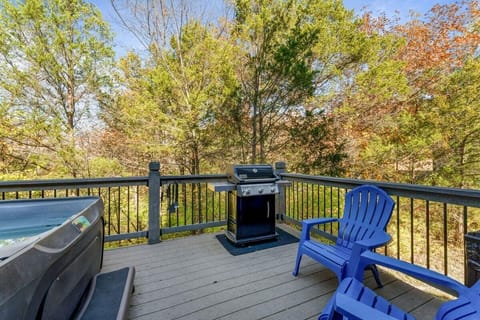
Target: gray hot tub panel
(60, 260)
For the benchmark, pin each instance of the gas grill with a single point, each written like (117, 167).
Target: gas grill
(253, 180)
(251, 202)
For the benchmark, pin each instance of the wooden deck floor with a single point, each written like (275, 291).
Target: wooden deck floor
(196, 278)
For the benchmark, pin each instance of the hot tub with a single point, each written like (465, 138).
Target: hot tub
(50, 249)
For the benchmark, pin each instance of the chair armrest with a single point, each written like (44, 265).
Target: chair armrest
(309, 223)
(421, 273)
(315, 221)
(354, 310)
(380, 238)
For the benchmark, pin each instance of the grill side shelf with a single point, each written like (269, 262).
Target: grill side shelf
(221, 186)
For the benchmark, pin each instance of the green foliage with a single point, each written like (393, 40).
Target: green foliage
(138, 115)
(456, 110)
(54, 57)
(277, 40)
(411, 109)
(433, 142)
(304, 81)
(312, 135)
(167, 108)
(105, 167)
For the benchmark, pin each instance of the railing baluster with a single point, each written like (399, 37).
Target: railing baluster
(292, 197)
(109, 212)
(119, 230)
(193, 204)
(412, 230)
(307, 210)
(287, 202)
(302, 202)
(331, 208)
(427, 232)
(137, 209)
(128, 209)
(338, 203)
(445, 239)
(177, 210)
(295, 202)
(398, 227)
(216, 205)
(206, 203)
(184, 193)
(324, 210)
(199, 202)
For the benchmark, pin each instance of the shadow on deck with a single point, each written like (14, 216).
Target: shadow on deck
(196, 278)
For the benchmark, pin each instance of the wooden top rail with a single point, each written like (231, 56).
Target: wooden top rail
(463, 197)
(51, 184)
(192, 179)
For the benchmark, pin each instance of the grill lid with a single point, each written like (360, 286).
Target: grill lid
(251, 173)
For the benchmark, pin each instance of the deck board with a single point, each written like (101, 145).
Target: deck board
(196, 278)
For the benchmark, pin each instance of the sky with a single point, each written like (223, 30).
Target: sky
(125, 42)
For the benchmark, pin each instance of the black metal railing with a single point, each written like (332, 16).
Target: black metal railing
(427, 225)
(189, 205)
(138, 208)
(125, 200)
(183, 204)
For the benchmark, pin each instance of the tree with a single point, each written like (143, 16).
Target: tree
(393, 105)
(275, 71)
(55, 57)
(318, 151)
(455, 112)
(294, 53)
(203, 82)
(168, 105)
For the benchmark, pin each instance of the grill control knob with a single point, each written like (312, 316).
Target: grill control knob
(246, 192)
(260, 190)
(272, 189)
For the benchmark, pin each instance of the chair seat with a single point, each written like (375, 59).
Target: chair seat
(333, 256)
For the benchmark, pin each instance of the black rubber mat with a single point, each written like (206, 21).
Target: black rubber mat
(282, 239)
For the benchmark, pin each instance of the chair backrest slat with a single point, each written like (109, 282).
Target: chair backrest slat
(367, 209)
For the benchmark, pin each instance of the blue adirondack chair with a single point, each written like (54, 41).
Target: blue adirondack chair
(366, 214)
(352, 300)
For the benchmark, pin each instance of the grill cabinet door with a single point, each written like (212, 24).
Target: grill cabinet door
(255, 216)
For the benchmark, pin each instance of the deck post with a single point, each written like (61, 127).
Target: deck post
(154, 203)
(280, 204)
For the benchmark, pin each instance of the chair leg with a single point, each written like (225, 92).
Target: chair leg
(375, 273)
(297, 264)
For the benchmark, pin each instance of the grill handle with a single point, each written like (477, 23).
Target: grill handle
(268, 209)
